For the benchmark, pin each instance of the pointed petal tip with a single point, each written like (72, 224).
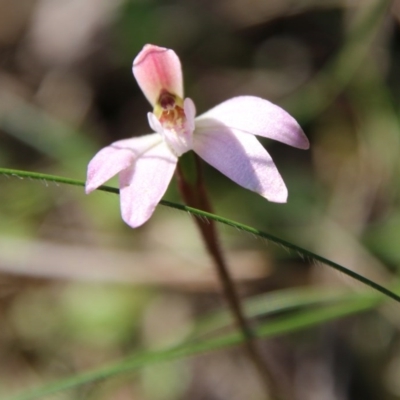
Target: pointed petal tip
(301, 141)
(88, 189)
(133, 222)
(92, 183)
(306, 144)
(279, 195)
(280, 200)
(91, 186)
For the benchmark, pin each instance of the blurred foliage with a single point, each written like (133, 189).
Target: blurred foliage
(79, 289)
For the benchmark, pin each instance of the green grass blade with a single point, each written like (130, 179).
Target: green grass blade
(280, 301)
(203, 214)
(279, 326)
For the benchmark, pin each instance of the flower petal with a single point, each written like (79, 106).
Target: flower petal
(259, 117)
(156, 69)
(190, 113)
(241, 157)
(105, 164)
(114, 158)
(143, 185)
(140, 144)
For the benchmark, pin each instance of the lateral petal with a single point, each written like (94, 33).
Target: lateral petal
(112, 159)
(143, 184)
(260, 117)
(241, 157)
(157, 69)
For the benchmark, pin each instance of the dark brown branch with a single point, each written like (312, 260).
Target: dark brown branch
(195, 195)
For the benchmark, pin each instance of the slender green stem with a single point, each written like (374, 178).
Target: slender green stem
(204, 214)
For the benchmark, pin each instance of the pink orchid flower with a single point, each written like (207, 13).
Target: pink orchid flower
(223, 136)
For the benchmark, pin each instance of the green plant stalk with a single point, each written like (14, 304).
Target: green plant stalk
(204, 214)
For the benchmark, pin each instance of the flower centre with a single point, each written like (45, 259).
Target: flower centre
(169, 111)
(173, 118)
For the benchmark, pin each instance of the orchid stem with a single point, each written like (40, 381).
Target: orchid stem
(194, 194)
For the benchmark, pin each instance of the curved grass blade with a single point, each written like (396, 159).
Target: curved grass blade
(287, 324)
(276, 302)
(203, 214)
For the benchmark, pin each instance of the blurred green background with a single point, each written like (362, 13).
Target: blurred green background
(79, 289)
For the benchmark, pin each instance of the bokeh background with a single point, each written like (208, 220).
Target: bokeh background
(79, 289)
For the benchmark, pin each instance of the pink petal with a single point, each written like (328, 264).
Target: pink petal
(190, 113)
(259, 117)
(240, 157)
(143, 185)
(105, 164)
(112, 159)
(156, 69)
(139, 145)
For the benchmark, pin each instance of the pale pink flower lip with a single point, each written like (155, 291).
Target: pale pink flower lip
(223, 136)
